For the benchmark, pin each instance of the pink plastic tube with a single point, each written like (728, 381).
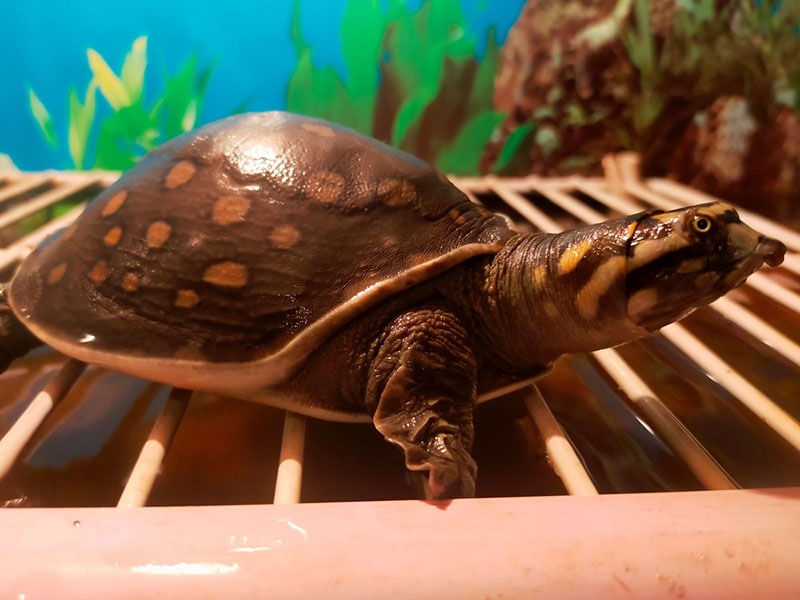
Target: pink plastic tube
(727, 544)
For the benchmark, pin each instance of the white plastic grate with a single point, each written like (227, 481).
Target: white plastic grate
(533, 202)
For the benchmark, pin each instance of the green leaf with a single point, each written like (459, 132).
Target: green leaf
(107, 81)
(328, 96)
(43, 118)
(81, 118)
(312, 91)
(125, 136)
(362, 32)
(439, 28)
(182, 98)
(132, 129)
(300, 44)
(133, 69)
(483, 87)
(463, 156)
(178, 96)
(411, 110)
(516, 149)
(298, 99)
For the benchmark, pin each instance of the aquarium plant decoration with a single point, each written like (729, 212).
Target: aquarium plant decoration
(413, 80)
(133, 126)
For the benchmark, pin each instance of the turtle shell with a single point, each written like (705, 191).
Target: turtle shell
(227, 255)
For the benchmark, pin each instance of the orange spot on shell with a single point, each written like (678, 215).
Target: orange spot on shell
(114, 203)
(319, 129)
(396, 192)
(226, 274)
(113, 236)
(186, 299)
(57, 273)
(180, 174)
(284, 236)
(99, 272)
(230, 209)
(326, 186)
(158, 233)
(130, 282)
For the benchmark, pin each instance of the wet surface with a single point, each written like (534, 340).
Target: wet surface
(226, 451)
(82, 454)
(619, 450)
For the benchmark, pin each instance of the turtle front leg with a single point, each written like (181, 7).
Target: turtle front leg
(423, 386)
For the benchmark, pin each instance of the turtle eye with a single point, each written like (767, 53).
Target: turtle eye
(702, 224)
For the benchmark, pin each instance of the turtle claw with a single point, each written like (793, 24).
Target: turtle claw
(451, 470)
(450, 474)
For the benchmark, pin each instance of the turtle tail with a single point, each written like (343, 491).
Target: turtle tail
(15, 339)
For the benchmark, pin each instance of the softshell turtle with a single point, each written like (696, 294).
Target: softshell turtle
(294, 262)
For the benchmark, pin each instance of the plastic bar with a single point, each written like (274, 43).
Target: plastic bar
(288, 483)
(59, 192)
(774, 416)
(148, 465)
(524, 207)
(615, 201)
(23, 246)
(24, 428)
(758, 328)
(775, 291)
(569, 203)
(734, 545)
(24, 185)
(666, 424)
(566, 462)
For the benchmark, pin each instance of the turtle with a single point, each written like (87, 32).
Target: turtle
(291, 261)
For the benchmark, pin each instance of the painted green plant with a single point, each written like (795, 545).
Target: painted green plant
(413, 80)
(117, 139)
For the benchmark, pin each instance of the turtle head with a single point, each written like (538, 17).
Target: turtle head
(683, 259)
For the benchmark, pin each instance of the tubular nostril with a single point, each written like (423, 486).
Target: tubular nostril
(772, 250)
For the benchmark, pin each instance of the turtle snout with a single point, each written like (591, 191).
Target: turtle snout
(771, 251)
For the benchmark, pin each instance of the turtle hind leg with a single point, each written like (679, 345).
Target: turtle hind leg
(15, 339)
(424, 380)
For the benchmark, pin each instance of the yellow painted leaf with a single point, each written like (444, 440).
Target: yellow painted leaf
(107, 81)
(81, 118)
(43, 118)
(133, 69)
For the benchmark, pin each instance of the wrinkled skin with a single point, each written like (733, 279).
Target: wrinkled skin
(436, 348)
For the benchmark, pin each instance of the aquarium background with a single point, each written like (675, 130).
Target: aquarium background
(707, 91)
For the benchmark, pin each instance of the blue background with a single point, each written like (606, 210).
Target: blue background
(248, 44)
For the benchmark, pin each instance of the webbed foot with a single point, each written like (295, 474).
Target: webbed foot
(424, 380)
(436, 447)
